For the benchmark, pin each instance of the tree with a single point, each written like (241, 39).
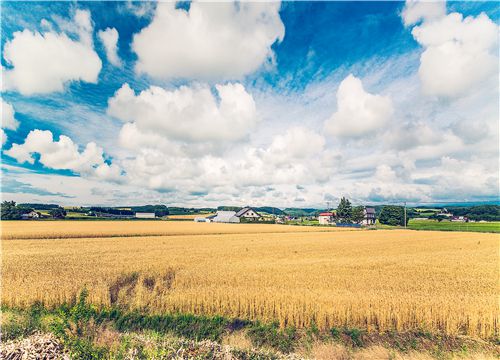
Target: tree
(10, 211)
(344, 211)
(392, 215)
(58, 213)
(437, 217)
(358, 214)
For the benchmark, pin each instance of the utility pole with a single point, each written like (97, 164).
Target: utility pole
(405, 214)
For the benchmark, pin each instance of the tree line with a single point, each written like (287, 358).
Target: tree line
(12, 211)
(388, 215)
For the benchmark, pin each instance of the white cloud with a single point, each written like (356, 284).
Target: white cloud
(8, 119)
(415, 11)
(217, 41)
(45, 62)
(459, 54)
(109, 39)
(297, 143)
(189, 113)
(63, 155)
(140, 8)
(358, 112)
(3, 137)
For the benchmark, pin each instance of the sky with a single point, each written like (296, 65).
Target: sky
(291, 104)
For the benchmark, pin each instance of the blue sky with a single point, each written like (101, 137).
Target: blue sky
(290, 104)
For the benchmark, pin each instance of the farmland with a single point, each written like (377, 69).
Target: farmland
(376, 280)
(454, 226)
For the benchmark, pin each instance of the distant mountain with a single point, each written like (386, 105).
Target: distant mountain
(269, 210)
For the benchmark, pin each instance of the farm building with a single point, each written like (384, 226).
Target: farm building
(226, 217)
(369, 216)
(445, 213)
(326, 218)
(145, 215)
(30, 215)
(248, 213)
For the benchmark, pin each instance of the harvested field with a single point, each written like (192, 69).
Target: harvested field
(376, 280)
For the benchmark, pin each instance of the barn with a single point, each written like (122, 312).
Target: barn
(144, 215)
(225, 217)
(248, 213)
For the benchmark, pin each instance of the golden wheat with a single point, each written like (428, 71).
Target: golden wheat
(99, 229)
(379, 280)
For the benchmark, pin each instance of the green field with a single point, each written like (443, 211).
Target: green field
(454, 226)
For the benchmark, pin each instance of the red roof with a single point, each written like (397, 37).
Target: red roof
(326, 214)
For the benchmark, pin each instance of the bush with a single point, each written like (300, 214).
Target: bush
(271, 335)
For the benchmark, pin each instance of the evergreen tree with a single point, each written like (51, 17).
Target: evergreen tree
(344, 211)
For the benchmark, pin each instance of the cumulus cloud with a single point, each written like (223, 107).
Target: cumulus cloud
(405, 136)
(415, 11)
(291, 158)
(140, 8)
(224, 40)
(189, 113)
(358, 112)
(297, 143)
(3, 137)
(63, 155)
(8, 117)
(109, 39)
(44, 62)
(459, 53)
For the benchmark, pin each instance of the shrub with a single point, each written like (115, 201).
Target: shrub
(271, 335)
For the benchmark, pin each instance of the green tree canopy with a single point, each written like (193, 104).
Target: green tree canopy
(344, 211)
(11, 211)
(392, 215)
(58, 213)
(358, 214)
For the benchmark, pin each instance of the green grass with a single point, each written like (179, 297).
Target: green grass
(454, 226)
(434, 225)
(91, 332)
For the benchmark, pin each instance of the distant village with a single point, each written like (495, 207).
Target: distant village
(344, 215)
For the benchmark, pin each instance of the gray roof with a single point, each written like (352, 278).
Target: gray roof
(370, 210)
(224, 216)
(244, 210)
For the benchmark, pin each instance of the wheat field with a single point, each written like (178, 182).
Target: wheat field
(376, 280)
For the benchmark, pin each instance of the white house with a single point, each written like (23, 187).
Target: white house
(248, 213)
(445, 213)
(226, 217)
(326, 218)
(459, 219)
(30, 215)
(144, 215)
(369, 216)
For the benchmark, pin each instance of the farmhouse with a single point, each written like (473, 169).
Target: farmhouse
(369, 216)
(226, 217)
(445, 213)
(459, 219)
(30, 215)
(248, 213)
(144, 215)
(326, 218)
